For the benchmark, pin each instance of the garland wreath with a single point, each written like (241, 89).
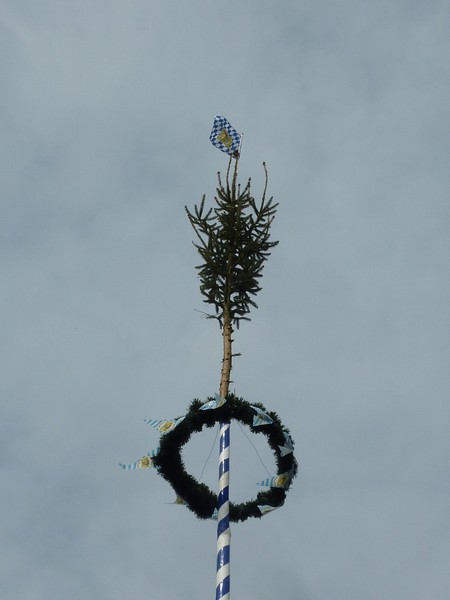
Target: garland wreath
(197, 496)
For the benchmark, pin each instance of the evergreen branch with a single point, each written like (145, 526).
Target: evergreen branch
(234, 244)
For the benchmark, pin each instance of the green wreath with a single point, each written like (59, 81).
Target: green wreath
(197, 496)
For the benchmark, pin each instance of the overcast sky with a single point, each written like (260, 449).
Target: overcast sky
(105, 111)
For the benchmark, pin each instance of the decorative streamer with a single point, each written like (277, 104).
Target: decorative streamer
(145, 462)
(288, 447)
(278, 481)
(216, 403)
(162, 425)
(261, 418)
(266, 508)
(179, 501)
(223, 516)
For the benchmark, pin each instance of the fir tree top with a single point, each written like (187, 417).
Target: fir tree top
(234, 243)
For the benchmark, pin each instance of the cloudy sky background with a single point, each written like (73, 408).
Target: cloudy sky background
(105, 112)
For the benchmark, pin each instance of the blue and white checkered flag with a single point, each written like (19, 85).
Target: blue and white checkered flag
(225, 137)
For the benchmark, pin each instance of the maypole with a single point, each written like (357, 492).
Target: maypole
(233, 240)
(223, 498)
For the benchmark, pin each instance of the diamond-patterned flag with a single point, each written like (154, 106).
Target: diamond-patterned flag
(225, 137)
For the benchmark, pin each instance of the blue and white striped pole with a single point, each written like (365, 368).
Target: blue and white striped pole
(223, 516)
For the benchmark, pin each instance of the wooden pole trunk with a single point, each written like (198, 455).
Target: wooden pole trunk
(223, 517)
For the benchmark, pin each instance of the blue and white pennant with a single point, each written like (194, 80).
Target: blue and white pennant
(261, 418)
(217, 402)
(145, 462)
(288, 447)
(162, 425)
(278, 481)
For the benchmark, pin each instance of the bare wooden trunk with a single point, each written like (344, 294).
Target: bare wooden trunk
(227, 332)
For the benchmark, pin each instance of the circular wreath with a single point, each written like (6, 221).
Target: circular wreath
(197, 496)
